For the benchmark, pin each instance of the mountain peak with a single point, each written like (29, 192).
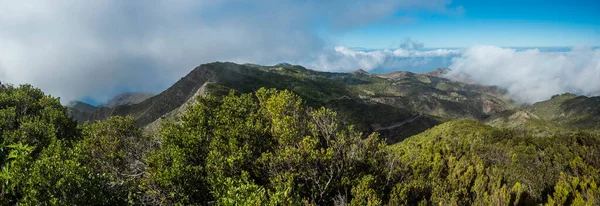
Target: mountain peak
(567, 95)
(283, 64)
(81, 106)
(361, 71)
(127, 98)
(439, 72)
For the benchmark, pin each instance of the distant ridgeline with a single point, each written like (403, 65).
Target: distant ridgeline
(229, 134)
(371, 102)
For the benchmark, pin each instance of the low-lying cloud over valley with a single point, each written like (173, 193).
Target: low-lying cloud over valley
(529, 75)
(532, 75)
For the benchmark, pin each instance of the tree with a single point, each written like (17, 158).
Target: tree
(117, 149)
(177, 173)
(314, 157)
(29, 117)
(239, 148)
(30, 121)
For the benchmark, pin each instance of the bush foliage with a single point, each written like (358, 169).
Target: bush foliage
(269, 148)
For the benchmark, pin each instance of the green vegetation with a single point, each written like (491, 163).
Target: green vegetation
(270, 148)
(524, 121)
(361, 99)
(570, 111)
(464, 162)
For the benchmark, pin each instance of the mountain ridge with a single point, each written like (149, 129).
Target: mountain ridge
(126, 98)
(373, 102)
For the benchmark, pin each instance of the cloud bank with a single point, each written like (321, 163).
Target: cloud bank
(74, 49)
(96, 49)
(343, 59)
(531, 75)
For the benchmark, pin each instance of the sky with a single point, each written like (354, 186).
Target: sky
(94, 50)
(507, 23)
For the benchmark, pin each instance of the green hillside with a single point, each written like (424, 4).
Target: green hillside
(570, 111)
(525, 121)
(380, 103)
(467, 163)
(270, 147)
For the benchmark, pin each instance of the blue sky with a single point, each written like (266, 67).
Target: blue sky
(509, 23)
(94, 50)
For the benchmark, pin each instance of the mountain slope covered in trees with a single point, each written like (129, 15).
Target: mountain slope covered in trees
(373, 103)
(571, 111)
(271, 147)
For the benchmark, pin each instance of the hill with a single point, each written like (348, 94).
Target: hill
(397, 105)
(438, 96)
(127, 98)
(269, 147)
(465, 163)
(570, 111)
(81, 106)
(525, 121)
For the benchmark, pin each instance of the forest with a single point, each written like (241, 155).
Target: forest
(268, 147)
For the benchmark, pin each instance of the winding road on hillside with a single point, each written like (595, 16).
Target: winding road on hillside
(376, 127)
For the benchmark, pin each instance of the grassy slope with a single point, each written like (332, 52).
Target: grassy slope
(570, 111)
(437, 96)
(440, 154)
(524, 121)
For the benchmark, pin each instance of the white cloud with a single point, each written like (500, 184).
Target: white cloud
(74, 49)
(345, 59)
(528, 75)
(531, 75)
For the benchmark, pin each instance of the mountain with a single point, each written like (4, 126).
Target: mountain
(154, 107)
(570, 111)
(82, 106)
(455, 76)
(80, 110)
(562, 113)
(361, 71)
(439, 72)
(439, 96)
(397, 105)
(523, 120)
(127, 98)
